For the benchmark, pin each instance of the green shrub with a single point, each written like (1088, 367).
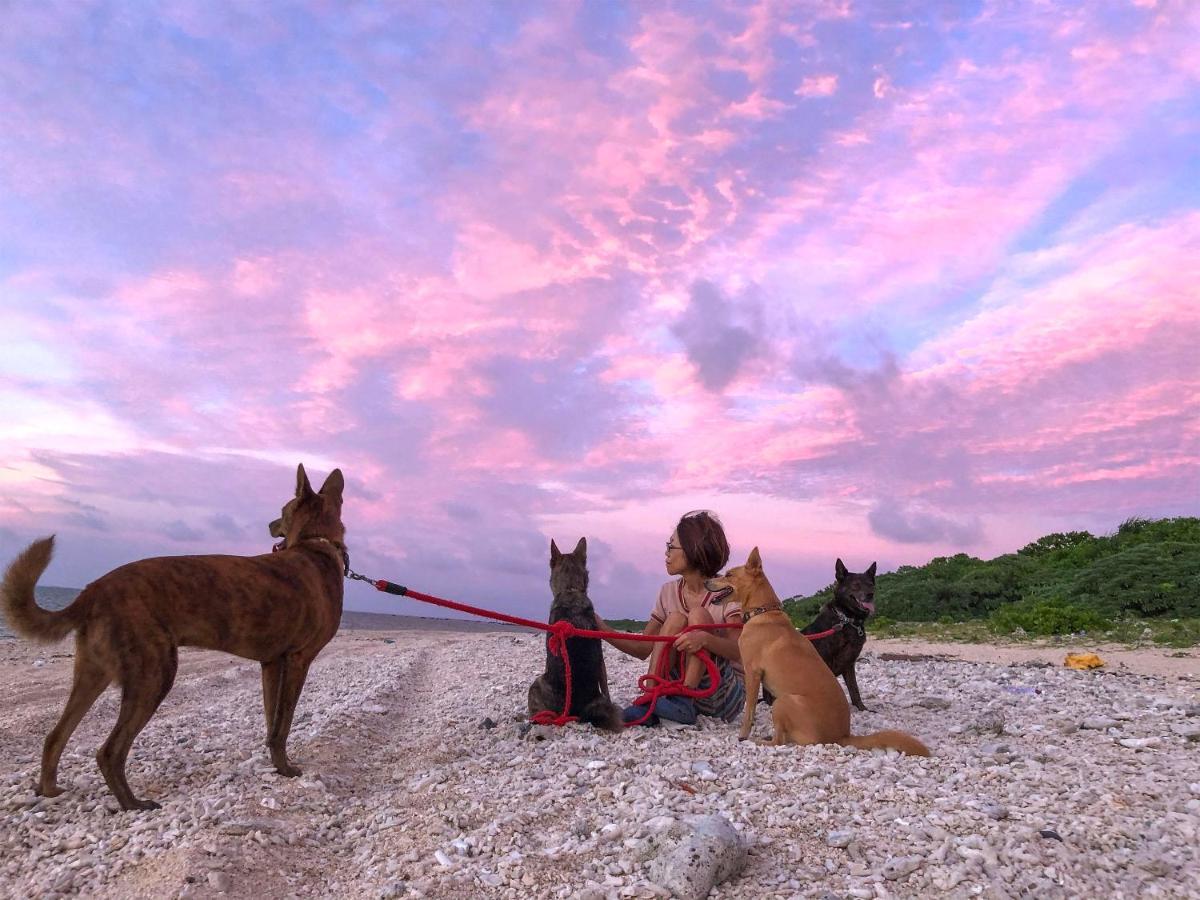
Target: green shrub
(1147, 568)
(1053, 616)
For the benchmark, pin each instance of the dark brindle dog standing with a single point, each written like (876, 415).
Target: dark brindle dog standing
(277, 608)
(852, 604)
(589, 680)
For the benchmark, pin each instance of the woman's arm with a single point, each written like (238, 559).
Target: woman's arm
(721, 641)
(721, 645)
(640, 649)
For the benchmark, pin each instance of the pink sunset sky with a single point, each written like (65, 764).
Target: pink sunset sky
(883, 281)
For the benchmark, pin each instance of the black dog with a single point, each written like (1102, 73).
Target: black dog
(589, 680)
(852, 604)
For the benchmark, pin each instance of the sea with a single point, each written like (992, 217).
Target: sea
(58, 597)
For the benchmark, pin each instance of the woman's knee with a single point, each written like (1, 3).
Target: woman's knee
(700, 616)
(675, 623)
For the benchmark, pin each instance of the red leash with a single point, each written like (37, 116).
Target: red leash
(652, 685)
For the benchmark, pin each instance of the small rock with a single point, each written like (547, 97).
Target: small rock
(995, 811)
(934, 703)
(1139, 743)
(219, 881)
(1051, 834)
(487, 724)
(1099, 723)
(839, 839)
(990, 723)
(899, 866)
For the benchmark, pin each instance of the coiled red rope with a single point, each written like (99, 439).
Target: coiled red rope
(652, 685)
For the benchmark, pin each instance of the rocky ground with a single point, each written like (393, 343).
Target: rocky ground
(1044, 782)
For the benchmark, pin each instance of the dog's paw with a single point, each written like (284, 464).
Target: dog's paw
(53, 791)
(144, 804)
(288, 771)
(742, 737)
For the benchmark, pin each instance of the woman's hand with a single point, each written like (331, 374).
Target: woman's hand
(692, 641)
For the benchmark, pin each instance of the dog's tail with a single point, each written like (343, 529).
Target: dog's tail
(887, 740)
(24, 616)
(602, 713)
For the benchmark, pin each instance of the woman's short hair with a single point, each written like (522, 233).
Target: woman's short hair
(702, 538)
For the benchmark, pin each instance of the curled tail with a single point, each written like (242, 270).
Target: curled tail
(882, 740)
(24, 616)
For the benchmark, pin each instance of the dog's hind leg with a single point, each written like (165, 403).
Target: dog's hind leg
(291, 683)
(90, 682)
(145, 684)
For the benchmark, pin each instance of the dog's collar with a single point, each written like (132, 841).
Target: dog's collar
(844, 620)
(337, 545)
(748, 614)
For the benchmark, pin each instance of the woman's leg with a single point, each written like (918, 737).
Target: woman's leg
(674, 624)
(695, 668)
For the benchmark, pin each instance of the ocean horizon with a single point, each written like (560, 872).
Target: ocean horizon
(51, 597)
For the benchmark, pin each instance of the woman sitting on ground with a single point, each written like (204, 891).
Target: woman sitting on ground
(696, 551)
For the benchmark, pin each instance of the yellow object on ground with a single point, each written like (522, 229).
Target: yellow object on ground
(1083, 661)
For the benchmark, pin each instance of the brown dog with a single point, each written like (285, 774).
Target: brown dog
(810, 707)
(279, 608)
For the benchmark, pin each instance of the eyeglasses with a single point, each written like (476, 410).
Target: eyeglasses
(671, 547)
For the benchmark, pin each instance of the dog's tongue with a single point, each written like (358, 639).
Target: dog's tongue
(868, 606)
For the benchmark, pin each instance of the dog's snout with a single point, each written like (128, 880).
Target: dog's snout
(276, 528)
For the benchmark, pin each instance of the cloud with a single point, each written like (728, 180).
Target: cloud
(717, 344)
(84, 515)
(179, 530)
(224, 525)
(901, 522)
(567, 265)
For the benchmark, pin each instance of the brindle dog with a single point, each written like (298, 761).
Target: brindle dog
(278, 608)
(589, 681)
(852, 604)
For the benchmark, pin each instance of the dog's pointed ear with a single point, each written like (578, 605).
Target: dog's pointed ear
(334, 485)
(754, 561)
(581, 548)
(871, 570)
(839, 569)
(303, 488)
(555, 553)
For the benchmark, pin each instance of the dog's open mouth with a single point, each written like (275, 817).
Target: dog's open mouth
(868, 606)
(275, 548)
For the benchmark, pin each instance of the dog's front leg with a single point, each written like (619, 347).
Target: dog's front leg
(852, 686)
(753, 681)
(291, 683)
